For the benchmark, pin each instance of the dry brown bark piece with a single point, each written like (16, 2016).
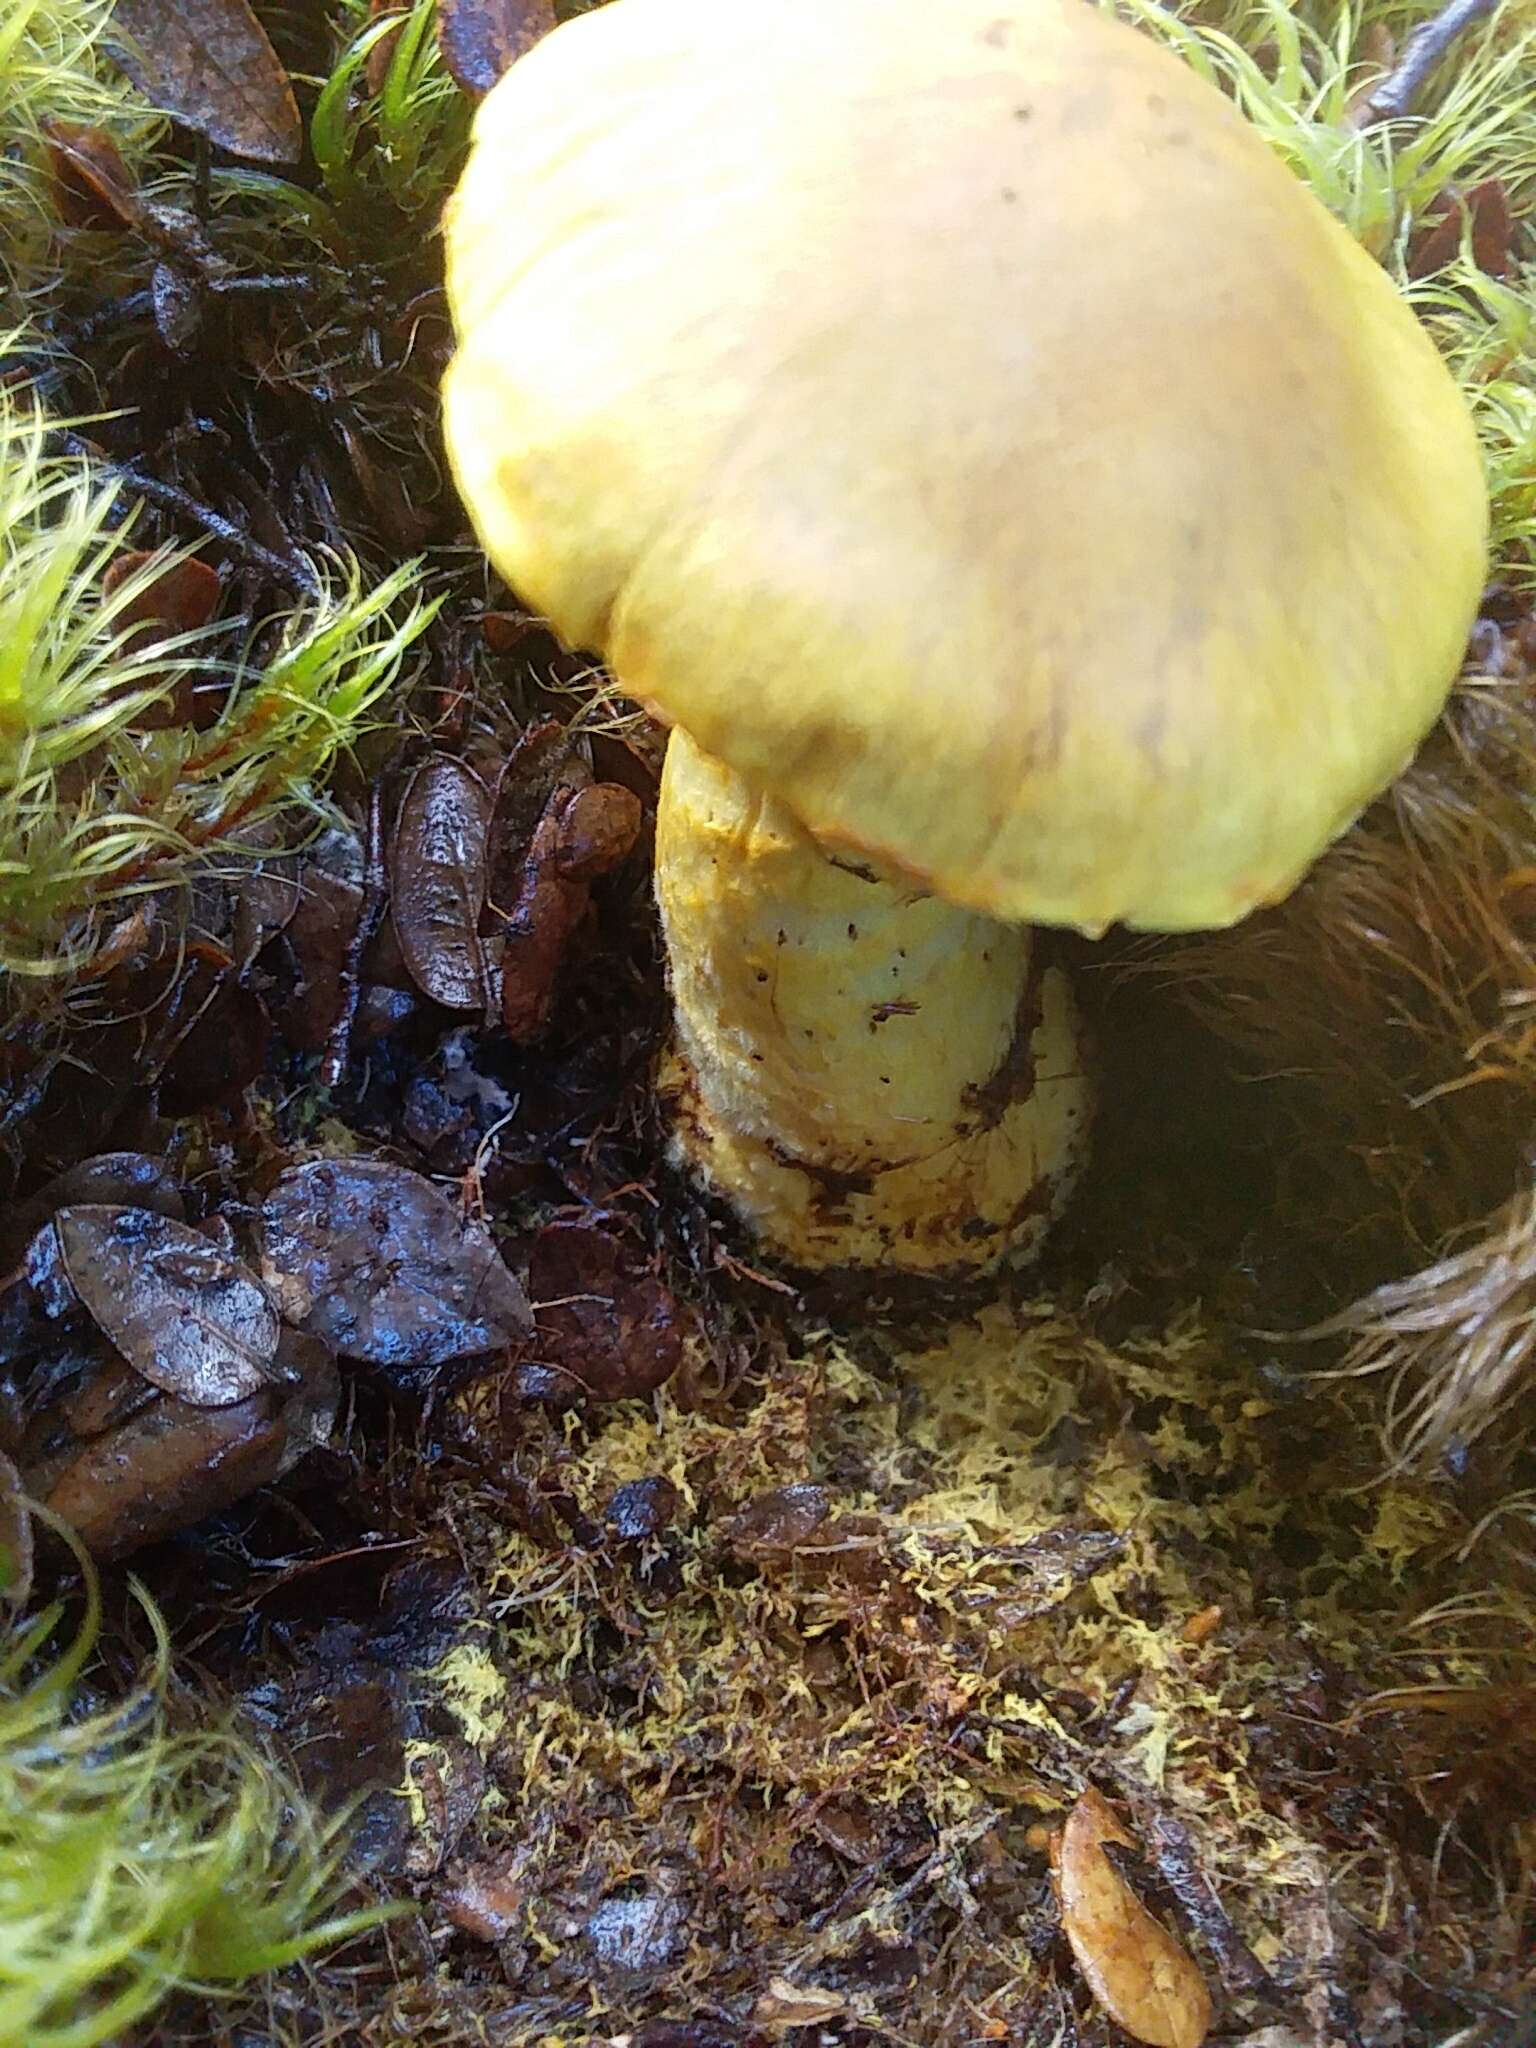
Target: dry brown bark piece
(1144, 1978)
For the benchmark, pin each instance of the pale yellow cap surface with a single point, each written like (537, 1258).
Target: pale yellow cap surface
(955, 417)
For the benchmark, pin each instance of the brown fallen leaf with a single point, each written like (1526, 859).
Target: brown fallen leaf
(188, 1318)
(781, 1520)
(540, 925)
(480, 39)
(543, 761)
(92, 187)
(211, 65)
(181, 598)
(1484, 211)
(136, 1180)
(223, 1046)
(1143, 1977)
(164, 1468)
(612, 1326)
(319, 934)
(437, 881)
(598, 827)
(374, 1259)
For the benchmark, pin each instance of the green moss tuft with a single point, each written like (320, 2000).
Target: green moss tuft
(135, 1860)
(92, 809)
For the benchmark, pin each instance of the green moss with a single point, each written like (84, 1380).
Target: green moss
(53, 68)
(93, 810)
(135, 1860)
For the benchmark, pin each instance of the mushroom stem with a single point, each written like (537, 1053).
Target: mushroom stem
(868, 1075)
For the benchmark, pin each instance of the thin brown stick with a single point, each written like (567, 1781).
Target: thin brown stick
(292, 571)
(1399, 90)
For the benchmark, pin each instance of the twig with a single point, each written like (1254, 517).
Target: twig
(370, 916)
(295, 572)
(1397, 92)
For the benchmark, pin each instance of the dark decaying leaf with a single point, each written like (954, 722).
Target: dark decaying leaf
(210, 64)
(137, 1180)
(91, 184)
(187, 1317)
(598, 827)
(181, 597)
(781, 1520)
(126, 1464)
(319, 933)
(481, 39)
(15, 1538)
(224, 1046)
(1481, 215)
(164, 1468)
(543, 761)
(543, 918)
(375, 1260)
(266, 903)
(612, 1326)
(437, 881)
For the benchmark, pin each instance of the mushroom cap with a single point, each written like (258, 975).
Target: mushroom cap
(958, 419)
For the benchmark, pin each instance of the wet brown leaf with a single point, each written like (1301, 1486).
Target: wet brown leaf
(188, 1318)
(542, 762)
(598, 827)
(781, 1520)
(91, 184)
(539, 927)
(266, 903)
(602, 1318)
(375, 1260)
(481, 39)
(437, 881)
(15, 1538)
(1142, 1976)
(164, 1468)
(135, 1180)
(320, 933)
(210, 64)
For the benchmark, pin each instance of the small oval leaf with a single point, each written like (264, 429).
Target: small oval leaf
(375, 1260)
(211, 65)
(437, 881)
(187, 1318)
(1142, 1976)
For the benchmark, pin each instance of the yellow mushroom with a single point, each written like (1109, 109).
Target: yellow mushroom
(1024, 502)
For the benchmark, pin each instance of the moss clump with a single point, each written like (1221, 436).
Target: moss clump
(93, 807)
(135, 1860)
(887, 1615)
